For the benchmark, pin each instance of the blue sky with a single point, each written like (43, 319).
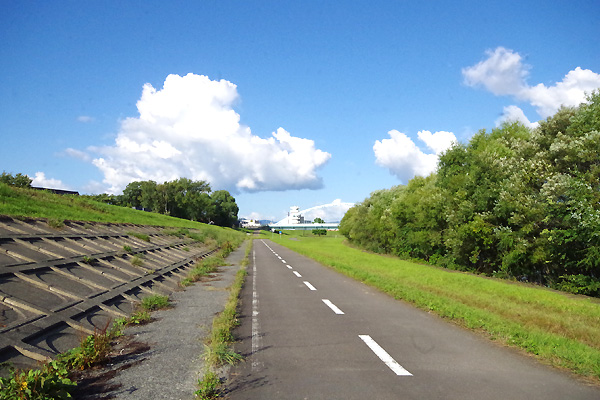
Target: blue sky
(281, 103)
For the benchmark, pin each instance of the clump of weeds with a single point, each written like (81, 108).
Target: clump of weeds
(137, 261)
(155, 302)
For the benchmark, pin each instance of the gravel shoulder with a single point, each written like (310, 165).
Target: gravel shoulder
(163, 359)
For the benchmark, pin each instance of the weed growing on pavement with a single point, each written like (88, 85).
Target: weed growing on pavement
(218, 349)
(88, 260)
(56, 223)
(155, 302)
(201, 269)
(92, 350)
(139, 318)
(137, 261)
(221, 354)
(127, 249)
(209, 387)
(141, 236)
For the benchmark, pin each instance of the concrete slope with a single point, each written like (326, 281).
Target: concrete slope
(58, 285)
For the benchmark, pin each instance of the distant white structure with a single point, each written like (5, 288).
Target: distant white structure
(294, 215)
(295, 220)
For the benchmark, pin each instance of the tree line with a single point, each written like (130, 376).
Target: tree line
(515, 203)
(181, 198)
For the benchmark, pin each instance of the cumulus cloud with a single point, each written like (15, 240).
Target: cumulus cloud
(405, 159)
(569, 92)
(504, 74)
(190, 129)
(514, 113)
(332, 212)
(40, 180)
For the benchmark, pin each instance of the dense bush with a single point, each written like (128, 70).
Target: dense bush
(514, 202)
(18, 180)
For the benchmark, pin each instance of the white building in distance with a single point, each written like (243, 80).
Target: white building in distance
(295, 220)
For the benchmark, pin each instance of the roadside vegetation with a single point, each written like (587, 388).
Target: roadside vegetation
(515, 203)
(54, 379)
(219, 345)
(560, 329)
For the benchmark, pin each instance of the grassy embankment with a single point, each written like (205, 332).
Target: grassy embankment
(559, 329)
(52, 379)
(29, 203)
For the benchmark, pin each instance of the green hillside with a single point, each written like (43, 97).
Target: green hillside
(30, 203)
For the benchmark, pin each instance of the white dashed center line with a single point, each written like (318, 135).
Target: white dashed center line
(289, 266)
(333, 307)
(311, 287)
(384, 356)
(297, 274)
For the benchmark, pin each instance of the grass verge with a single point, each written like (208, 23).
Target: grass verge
(219, 350)
(559, 329)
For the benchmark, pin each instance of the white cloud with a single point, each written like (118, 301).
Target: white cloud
(514, 113)
(40, 180)
(332, 212)
(405, 159)
(504, 74)
(94, 187)
(569, 92)
(80, 155)
(439, 141)
(254, 216)
(189, 129)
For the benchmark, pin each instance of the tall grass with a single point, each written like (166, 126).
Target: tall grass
(560, 329)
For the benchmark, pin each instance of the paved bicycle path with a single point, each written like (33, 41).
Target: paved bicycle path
(172, 363)
(309, 332)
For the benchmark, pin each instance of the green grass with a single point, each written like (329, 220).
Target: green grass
(29, 203)
(560, 329)
(137, 260)
(218, 348)
(155, 302)
(141, 236)
(201, 269)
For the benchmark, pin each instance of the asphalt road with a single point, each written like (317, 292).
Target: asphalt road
(311, 333)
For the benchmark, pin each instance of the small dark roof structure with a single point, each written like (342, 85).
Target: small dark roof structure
(57, 191)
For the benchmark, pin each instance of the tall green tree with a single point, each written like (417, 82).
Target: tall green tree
(513, 202)
(18, 180)
(225, 211)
